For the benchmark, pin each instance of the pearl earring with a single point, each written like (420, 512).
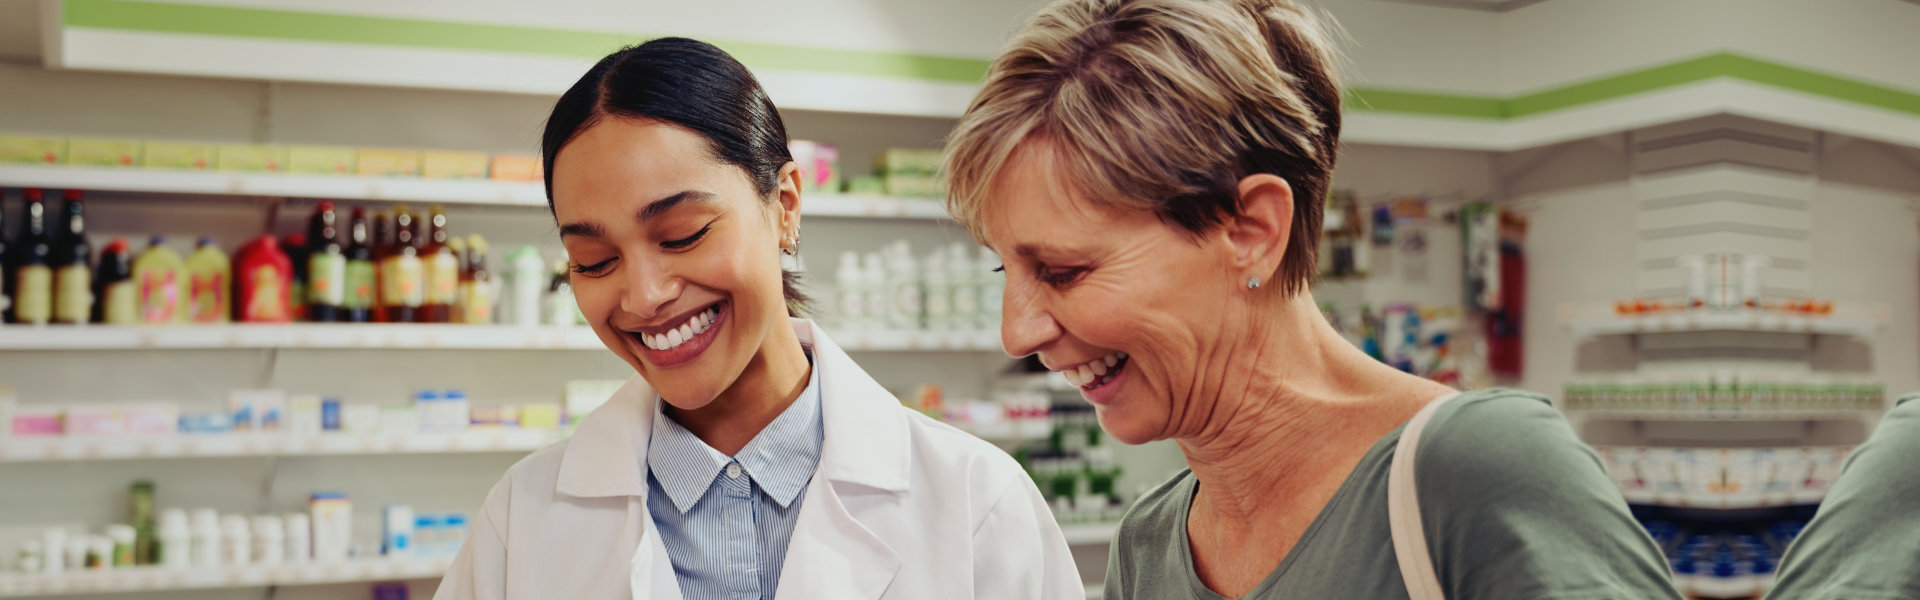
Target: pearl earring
(1253, 283)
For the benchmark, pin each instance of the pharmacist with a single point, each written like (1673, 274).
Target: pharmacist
(749, 456)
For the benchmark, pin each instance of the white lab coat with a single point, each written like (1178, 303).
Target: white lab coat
(901, 507)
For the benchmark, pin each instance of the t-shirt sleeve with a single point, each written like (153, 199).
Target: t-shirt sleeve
(1862, 544)
(1515, 506)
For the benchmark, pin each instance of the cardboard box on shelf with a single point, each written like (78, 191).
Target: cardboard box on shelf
(32, 150)
(387, 162)
(87, 152)
(321, 160)
(439, 164)
(248, 158)
(176, 155)
(516, 167)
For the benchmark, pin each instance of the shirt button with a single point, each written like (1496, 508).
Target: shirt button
(733, 470)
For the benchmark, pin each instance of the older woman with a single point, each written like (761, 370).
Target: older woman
(1153, 172)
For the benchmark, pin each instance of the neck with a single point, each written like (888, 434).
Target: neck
(1308, 406)
(775, 377)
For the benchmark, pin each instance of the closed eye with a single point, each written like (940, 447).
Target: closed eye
(1061, 276)
(595, 269)
(688, 241)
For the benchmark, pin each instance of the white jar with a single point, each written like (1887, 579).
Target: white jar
(176, 539)
(269, 540)
(299, 538)
(206, 538)
(236, 541)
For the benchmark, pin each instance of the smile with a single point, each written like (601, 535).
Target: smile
(1096, 373)
(668, 346)
(684, 332)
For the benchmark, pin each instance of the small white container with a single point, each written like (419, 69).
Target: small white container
(77, 548)
(123, 537)
(269, 540)
(176, 539)
(397, 531)
(332, 526)
(206, 538)
(527, 281)
(299, 538)
(99, 555)
(55, 541)
(236, 541)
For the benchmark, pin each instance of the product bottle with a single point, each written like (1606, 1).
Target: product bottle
(209, 284)
(993, 288)
(362, 275)
(32, 264)
(116, 299)
(263, 278)
(964, 287)
(904, 280)
(269, 540)
(299, 538)
(206, 538)
(939, 294)
(879, 298)
(175, 547)
(326, 267)
(6, 265)
(72, 266)
(236, 541)
(458, 310)
(851, 295)
(561, 306)
(476, 284)
(144, 527)
(401, 276)
(161, 277)
(295, 248)
(441, 268)
(527, 283)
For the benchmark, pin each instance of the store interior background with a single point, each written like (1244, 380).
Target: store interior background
(1587, 118)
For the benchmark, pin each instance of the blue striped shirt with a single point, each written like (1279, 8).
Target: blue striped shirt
(726, 520)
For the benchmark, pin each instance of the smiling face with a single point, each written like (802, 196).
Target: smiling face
(674, 254)
(1128, 307)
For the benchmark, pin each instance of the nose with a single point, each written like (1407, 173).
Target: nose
(1026, 327)
(649, 289)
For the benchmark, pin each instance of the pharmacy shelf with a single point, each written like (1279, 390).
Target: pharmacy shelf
(183, 446)
(384, 336)
(394, 189)
(1089, 534)
(1008, 431)
(154, 579)
(1745, 321)
(1722, 415)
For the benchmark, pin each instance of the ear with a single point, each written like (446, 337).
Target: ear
(1259, 236)
(787, 226)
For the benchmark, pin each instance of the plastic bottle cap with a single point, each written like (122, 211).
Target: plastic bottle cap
(156, 240)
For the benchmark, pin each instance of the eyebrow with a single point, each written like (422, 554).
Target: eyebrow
(1033, 250)
(652, 210)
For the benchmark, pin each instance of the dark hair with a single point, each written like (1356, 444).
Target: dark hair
(690, 84)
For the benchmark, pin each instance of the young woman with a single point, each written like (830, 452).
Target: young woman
(749, 457)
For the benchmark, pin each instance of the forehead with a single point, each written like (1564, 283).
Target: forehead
(1035, 195)
(620, 159)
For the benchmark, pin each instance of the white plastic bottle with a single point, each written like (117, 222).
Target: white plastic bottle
(206, 538)
(903, 279)
(176, 539)
(55, 540)
(939, 291)
(879, 298)
(993, 287)
(963, 285)
(850, 295)
(299, 538)
(236, 541)
(527, 281)
(269, 540)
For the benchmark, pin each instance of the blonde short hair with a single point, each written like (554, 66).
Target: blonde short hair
(1163, 105)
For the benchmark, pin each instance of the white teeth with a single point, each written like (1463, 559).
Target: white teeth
(685, 331)
(1086, 374)
(652, 341)
(674, 338)
(1112, 359)
(1099, 367)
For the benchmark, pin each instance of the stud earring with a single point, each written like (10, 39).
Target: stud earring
(792, 248)
(1253, 283)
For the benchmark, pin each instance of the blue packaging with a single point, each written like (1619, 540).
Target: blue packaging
(427, 529)
(455, 533)
(330, 414)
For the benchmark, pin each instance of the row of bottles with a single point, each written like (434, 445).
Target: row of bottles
(947, 290)
(401, 268)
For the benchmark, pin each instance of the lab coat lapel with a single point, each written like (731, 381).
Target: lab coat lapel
(606, 457)
(866, 452)
(651, 572)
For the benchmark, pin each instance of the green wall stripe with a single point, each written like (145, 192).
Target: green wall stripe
(169, 17)
(175, 17)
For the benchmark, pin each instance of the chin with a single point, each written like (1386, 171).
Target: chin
(1130, 431)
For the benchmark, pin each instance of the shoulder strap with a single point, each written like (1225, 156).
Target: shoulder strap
(1403, 510)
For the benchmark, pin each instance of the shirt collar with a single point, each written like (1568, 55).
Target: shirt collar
(780, 459)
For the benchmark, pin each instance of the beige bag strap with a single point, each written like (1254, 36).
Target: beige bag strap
(1403, 510)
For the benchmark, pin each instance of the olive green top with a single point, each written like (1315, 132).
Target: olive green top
(1864, 543)
(1513, 504)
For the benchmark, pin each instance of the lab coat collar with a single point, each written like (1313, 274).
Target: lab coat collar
(866, 431)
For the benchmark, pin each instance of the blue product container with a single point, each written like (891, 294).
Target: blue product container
(330, 414)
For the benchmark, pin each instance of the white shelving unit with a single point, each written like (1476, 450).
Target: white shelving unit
(386, 336)
(154, 579)
(483, 192)
(1723, 415)
(1707, 321)
(187, 446)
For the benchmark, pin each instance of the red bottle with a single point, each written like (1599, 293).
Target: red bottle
(263, 280)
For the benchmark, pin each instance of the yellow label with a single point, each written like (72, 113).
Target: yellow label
(122, 304)
(167, 155)
(73, 294)
(476, 303)
(443, 278)
(254, 159)
(268, 302)
(453, 165)
(401, 281)
(103, 153)
(376, 162)
(32, 150)
(320, 160)
(160, 296)
(515, 167)
(33, 294)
